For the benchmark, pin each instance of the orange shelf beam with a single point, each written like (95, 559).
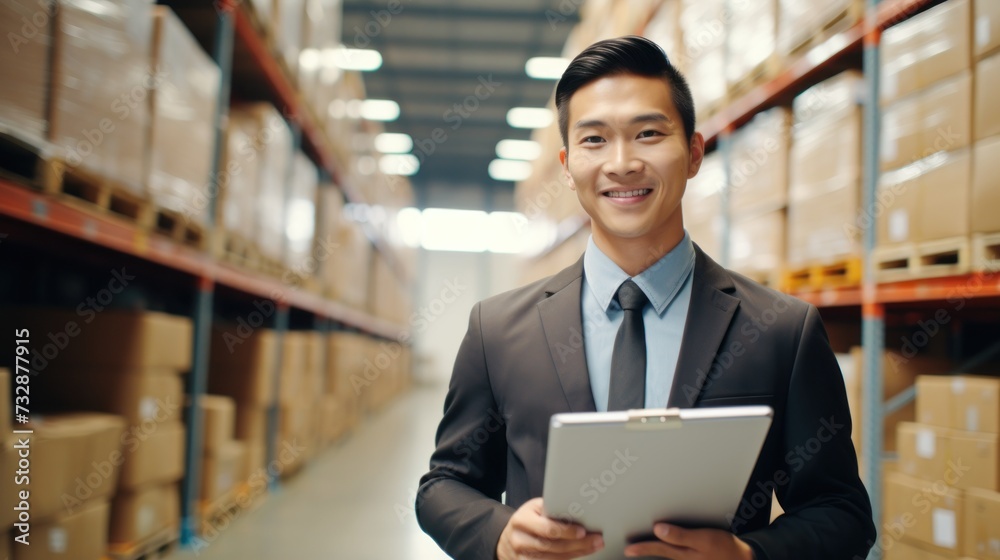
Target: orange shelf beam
(117, 234)
(952, 288)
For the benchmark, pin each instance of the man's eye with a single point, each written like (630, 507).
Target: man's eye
(592, 140)
(649, 133)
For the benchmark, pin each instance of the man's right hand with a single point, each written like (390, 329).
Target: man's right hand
(529, 534)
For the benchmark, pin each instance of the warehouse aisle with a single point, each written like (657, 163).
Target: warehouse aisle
(354, 502)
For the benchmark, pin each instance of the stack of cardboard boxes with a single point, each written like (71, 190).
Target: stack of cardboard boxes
(944, 498)
(224, 463)
(241, 366)
(825, 173)
(129, 364)
(927, 101)
(985, 221)
(758, 193)
(702, 207)
(344, 382)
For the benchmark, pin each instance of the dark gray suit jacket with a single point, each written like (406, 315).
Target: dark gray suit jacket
(522, 360)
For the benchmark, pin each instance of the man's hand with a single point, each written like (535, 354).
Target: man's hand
(678, 543)
(529, 534)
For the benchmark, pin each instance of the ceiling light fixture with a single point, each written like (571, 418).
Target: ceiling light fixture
(546, 67)
(527, 150)
(529, 117)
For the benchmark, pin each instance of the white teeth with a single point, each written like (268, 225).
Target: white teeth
(626, 194)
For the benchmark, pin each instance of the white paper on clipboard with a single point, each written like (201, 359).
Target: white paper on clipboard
(620, 472)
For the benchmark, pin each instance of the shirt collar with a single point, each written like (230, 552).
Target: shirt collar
(660, 282)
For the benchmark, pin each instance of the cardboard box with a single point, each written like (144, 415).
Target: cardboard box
(759, 165)
(138, 514)
(900, 191)
(73, 458)
(223, 470)
(113, 338)
(23, 98)
(925, 49)
(932, 513)
(987, 28)
(6, 402)
(945, 187)
(825, 155)
(987, 114)
(982, 524)
(243, 364)
(924, 451)
(902, 134)
(140, 396)
(961, 402)
(182, 122)
(153, 456)
(251, 423)
(816, 227)
(235, 203)
(256, 457)
(936, 119)
(81, 536)
(219, 419)
(985, 187)
(346, 272)
(346, 360)
(980, 453)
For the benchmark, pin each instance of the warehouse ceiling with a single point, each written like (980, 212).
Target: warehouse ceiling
(458, 66)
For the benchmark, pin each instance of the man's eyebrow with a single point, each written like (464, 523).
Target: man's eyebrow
(652, 117)
(648, 117)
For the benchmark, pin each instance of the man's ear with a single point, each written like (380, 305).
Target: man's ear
(564, 160)
(697, 150)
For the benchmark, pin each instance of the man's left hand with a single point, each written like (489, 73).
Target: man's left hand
(678, 543)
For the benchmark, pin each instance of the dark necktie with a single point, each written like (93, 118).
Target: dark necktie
(628, 359)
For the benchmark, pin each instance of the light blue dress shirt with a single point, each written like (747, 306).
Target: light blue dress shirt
(667, 284)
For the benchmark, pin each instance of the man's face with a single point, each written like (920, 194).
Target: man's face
(629, 159)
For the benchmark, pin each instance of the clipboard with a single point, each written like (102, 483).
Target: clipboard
(620, 472)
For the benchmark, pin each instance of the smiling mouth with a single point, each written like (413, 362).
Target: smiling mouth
(627, 194)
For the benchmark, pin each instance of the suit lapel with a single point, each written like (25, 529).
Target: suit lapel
(562, 323)
(709, 314)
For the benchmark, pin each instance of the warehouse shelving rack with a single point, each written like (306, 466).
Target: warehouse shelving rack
(857, 45)
(223, 27)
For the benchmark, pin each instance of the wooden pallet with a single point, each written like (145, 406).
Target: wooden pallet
(986, 252)
(158, 545)
(928, 259)
(842, 273)
(180, 228)
(77, 185)
(838, 22)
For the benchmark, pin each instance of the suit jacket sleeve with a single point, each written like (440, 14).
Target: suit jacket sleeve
(827, 509)
(458, 502)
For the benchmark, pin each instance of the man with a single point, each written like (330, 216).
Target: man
(713, 338)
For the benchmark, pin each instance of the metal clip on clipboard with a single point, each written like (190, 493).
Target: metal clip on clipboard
(654, 419)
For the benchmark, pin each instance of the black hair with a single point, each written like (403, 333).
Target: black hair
(623, 55)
